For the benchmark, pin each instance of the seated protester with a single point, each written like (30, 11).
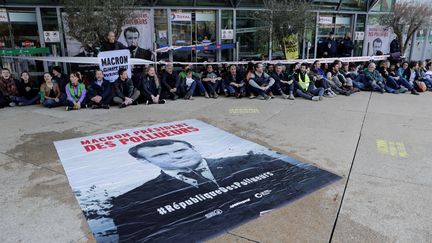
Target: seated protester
(401, 69)
(333, 79)
(412, 74)
(400, 80)
(428, 74)
(320, 80)
(125, 93)
(426, 79)
(260, 83)
(211, 81)
(59, 78)
(346, 81)
(234, 83)
(170, 82)
(151, 88)
(201, 89)
(50, 93)
(76, 93)
(99, 92)
(304, 85)
(249, 70)
(187, 85)
(8, 89)
(27, 90)
(270, 69)
(373, 79)
(391, 85)
(283, 83)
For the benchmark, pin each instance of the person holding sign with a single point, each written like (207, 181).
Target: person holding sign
(76, 93)
(125, 93)
(150, 87)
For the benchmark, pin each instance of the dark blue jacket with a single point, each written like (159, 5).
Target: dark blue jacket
(105, 90)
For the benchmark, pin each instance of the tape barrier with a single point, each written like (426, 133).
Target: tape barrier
(201, 47)
(137, 61)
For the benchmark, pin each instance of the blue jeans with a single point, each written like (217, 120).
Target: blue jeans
(391, 85)
(405, 83)
(230, 89)
(359, 82)
(26, 101)
(428, 83)
(51, 103)
(257, 91)
(312, 91)
(201, 89)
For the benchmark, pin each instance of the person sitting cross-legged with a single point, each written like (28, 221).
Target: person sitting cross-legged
(234, 83)
(305, 87)
(283, 83)
(260, 83)
(27, 90)
(373, 79)
(125, 93)
(211, 81)
(99, 92)
(150, 87)
(170, 83)
(76, 93)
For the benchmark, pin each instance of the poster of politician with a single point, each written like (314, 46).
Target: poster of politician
(377, 40)
(182, 181)
(136, 36)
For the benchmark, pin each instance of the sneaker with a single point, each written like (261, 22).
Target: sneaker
(215, 95)
(284, 96)
(403, 90)
(291, 97)
(271, 95)
(162, 101)
(382, 91)
(206, 95)
(320, 98)
(264, 97)
(105, 107)
(332, 92)
(175, 97)
(12, 104)
(316, 98)
(95, 107)
(20, 104)
(252, 96)
(414, 92)
(134, 102)
(123, 105)
(69, 108)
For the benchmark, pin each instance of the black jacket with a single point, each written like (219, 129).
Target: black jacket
(148, 87)
(345, 47)
(106, 46)
(141, 215)
(394, 46)
(123, 89)
(238, 79)
(21, 87)
(169, 81)
(105, 91)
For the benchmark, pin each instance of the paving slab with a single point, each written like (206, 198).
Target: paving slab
(38, 206)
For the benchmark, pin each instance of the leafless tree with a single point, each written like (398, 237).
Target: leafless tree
(288, 17)
(90, 20)
(407, 18)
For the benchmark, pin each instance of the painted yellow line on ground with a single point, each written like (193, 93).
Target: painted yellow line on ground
(243, 111)
(392, 148)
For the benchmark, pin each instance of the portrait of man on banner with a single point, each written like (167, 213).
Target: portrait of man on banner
(197, 194)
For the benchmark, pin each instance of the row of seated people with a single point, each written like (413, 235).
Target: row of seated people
(149, 87)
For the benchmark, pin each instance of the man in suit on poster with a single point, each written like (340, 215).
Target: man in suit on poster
(194, 197)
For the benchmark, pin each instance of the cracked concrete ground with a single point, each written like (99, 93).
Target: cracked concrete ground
(379, 144)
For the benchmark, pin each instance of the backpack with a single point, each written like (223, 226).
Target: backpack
(420, 86)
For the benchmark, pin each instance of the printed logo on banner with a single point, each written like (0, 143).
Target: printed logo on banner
(110, 62)
(179, 181)
(181, 17)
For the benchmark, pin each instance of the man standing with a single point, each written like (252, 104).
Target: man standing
(346, 46)
(8, 89)
(330, 47)
(111, 44)
(99, 92)
(125, 93)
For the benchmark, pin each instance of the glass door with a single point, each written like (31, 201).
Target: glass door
(205, 36)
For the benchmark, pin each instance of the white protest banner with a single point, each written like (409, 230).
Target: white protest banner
(377, 38)
(111, 61)
(3, 15)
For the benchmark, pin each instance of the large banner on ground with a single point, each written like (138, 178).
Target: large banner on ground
(182, 181)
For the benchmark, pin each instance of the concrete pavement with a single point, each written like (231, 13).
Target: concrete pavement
(378, 143)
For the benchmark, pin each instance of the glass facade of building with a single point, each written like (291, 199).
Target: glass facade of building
(232, 26)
